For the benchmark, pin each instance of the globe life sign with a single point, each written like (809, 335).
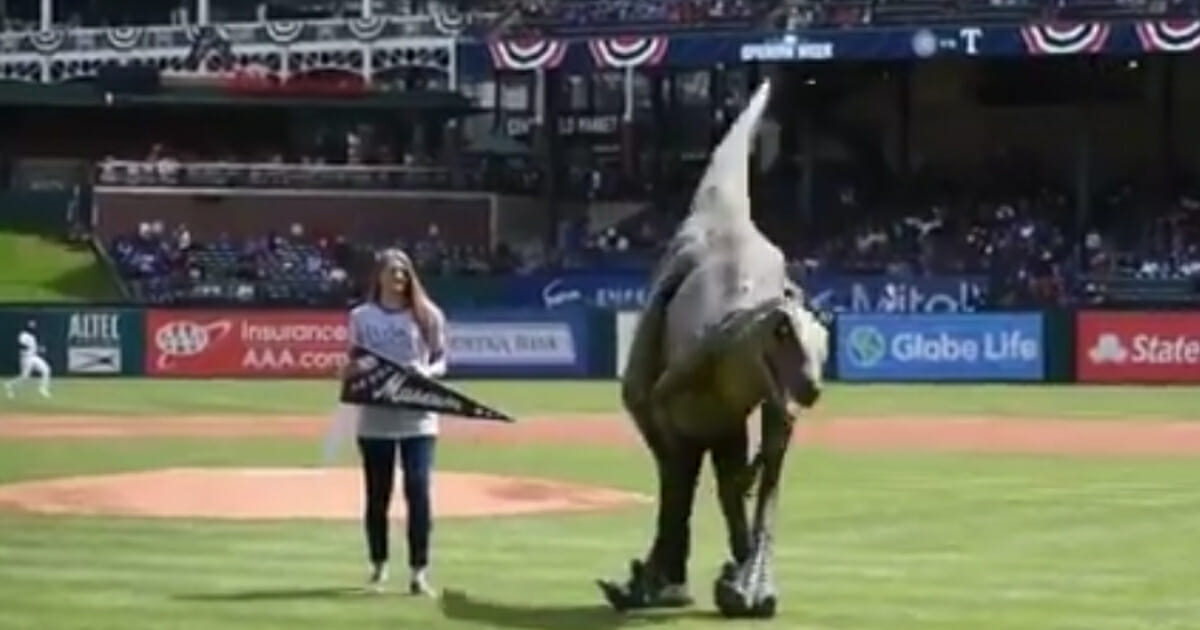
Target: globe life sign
(940, 346)
(945, 348)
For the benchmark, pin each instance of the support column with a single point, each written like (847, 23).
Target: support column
(46, 15)
(807, 148)
(787, 172)
(716, 104)
(627, 139)
(366, 10)
(1083, 159)
(452, 138)
(658, 85)
(497, 111)
(203, 12)
(1166, 122)
(545, 123)
(904, 110)
(556, 164)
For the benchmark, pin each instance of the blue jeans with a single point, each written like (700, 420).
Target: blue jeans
(379, 474)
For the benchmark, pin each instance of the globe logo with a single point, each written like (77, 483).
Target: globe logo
(924, 43)
(866, 346)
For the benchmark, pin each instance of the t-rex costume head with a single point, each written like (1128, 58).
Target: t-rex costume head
(724, 331)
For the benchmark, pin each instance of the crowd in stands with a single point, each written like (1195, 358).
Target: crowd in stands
(1020, 231)
(562, 15)
(1024, 237)
(1022, 246)
(1026, 245)
(161, 264)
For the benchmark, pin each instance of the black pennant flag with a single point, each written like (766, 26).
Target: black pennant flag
(377, 381)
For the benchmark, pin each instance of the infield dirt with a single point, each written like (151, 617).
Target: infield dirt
(976, 433)
(335, 493)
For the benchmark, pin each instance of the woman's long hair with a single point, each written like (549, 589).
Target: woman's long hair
(425, 311)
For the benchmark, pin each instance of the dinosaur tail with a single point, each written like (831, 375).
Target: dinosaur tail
(727, 171)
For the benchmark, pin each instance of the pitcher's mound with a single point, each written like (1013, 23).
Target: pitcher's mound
(283, 493)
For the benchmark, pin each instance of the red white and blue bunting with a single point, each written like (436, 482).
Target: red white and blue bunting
(447, 20)
(367, 28)
(527, 54)
(284, 31)
(1169, 35)
(628, 52)
(1065, 39)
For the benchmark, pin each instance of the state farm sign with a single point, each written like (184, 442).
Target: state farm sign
(1147, 347)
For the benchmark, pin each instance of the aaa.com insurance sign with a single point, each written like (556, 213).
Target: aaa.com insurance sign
(245, 343)
(1146, 347)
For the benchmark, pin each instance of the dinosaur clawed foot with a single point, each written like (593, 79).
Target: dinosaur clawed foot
(745, 591)
(643, 590)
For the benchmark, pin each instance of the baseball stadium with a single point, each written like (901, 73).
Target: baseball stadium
(436, 314)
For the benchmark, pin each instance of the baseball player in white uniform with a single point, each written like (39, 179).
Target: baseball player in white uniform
(30, 361)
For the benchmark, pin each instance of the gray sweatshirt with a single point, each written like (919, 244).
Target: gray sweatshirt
(396, 336)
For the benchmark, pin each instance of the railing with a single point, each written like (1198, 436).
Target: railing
(269, 175)
(240, 17)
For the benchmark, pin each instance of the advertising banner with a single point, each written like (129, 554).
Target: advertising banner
(245, 343)
(518, 343)
(835, 292)
(946, 39)
(944, 347)
(99, 342)
(1146, 347)
(627, 322)
(314, 343)
(84, 341)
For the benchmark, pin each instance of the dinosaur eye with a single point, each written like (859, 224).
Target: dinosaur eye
(783, 330)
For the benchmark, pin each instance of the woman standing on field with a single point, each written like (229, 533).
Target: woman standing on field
(400, 322)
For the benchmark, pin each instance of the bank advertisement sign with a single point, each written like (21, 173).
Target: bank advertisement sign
(940, 347)
(1143, 347)
(518, 343)
(301, 343)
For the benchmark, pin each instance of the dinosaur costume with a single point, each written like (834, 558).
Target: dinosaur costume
(724, 332)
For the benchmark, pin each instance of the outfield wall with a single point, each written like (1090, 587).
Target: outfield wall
(297, 343)
(1101, 346)
(1033, 346)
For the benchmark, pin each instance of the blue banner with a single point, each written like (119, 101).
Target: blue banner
(891, 294)
(506, 343)
(478, 58)
(945, 347)
(840, 293)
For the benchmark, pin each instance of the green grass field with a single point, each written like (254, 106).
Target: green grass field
(39, 269)
(867, 541)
